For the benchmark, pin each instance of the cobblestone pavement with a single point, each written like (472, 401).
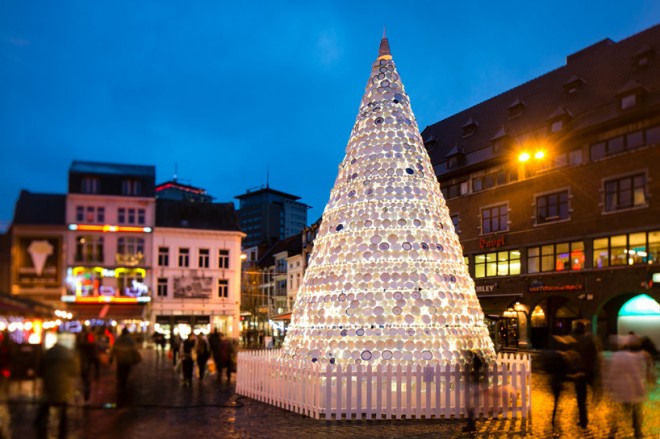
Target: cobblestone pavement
(159, 407)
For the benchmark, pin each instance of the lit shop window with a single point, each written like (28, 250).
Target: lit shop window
(630, 249)
(503, 263)
(556, 257)
(130, 250)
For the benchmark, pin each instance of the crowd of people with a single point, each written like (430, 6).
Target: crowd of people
(626, 375)
(198, 350)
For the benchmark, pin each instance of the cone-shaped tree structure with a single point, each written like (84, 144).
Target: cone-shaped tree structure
(386, 281)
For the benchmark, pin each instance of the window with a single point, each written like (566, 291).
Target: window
(131, 186)
(223, 258)
(90, 185)
(184, 257)
(504, 263)
(557, 125)
(130, 250)
(575, 157)
(203, 258)
(552, 207)
(455, 220)
(223, 288)
(162, 287)
(494, 219)
(454, 189)
(90, 214)
(131, 283)
(629, 249)
(556, 257)
(163, 256)
(131, 216)
(625, 193)
(89, 249)
(628, 101)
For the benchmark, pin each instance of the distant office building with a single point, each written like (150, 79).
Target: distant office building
(174, 190)
(267, 216)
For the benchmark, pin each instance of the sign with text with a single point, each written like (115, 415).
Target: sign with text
(38, 261)
(193, 287)
(540, 288)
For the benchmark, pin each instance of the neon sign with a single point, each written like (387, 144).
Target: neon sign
(105, 228)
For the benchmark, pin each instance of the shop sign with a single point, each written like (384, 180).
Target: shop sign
(38, 261)
(540, 288)
(485, 288)
(491, 243)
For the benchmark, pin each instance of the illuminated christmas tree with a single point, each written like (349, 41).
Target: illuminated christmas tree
(386, 281)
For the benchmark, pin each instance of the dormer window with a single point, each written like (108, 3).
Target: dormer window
(455, 157)
(631, 94)
(628, 101)
(573, 85)
(430, 143)
(470, 127)
(501, 140)
(516, 108)
(558, 120)
(643, 57)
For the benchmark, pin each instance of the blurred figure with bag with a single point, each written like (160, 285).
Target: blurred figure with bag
(125, 352)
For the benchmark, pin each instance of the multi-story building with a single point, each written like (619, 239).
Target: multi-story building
(110, 216)
(197, 274)
(552, 187)
(37, 238)
(267, 216)
(175, 190)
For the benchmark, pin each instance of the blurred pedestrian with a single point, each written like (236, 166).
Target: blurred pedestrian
(125, 352)
(203, 353)
(215, 344)
(227, 358)
(175, 346)
(187, 361)
(88, 357)
(7, 348)
(587, 346)
(58, 368)
(630, 373)
(473, 375)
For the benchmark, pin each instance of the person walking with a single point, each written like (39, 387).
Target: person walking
(126, 353)
(472, 379)
(58, 367)
(187, 362)
(630, 373)
(88, 356)
(215, 345)
(175, 346)
(587, 347)
(203, 353)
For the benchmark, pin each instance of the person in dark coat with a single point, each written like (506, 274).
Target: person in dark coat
(203, 353)
(58, 368)
(175, 347)
(126, 353)
(215, 344)
(473, 372)
(187, 362)
(587, 347)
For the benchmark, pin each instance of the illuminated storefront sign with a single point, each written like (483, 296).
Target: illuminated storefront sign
(101, 282)
(107, 228)
(38, 261)
(491, 243)
(540, 288)
(104, 299)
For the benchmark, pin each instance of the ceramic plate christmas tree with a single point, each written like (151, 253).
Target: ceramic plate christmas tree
(386, 281)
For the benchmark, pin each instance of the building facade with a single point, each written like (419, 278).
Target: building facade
(197, 273)
(552, 187)
(267, 216)
(110, 217)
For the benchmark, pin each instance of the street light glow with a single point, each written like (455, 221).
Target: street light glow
(539, 155)
(523, 157)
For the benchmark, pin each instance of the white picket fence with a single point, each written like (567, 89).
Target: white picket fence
(385, 392)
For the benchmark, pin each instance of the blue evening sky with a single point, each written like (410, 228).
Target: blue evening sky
(224, 91)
